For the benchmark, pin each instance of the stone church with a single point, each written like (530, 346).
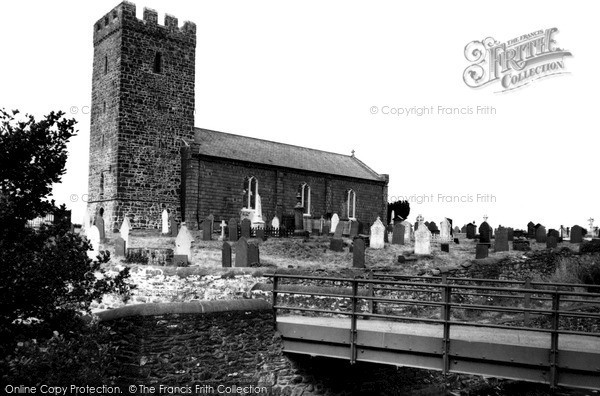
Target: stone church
(146, 155)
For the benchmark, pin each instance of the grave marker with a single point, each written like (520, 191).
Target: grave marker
(339, 230)
(470, 231)
(377, 239)
(124, 230)
(207, 227)
(334, 222)
(93, 235)
(253, 255)
(485, 233)
(120, 247)
(233, 229)
(183, 243)
(165, 222)
(551, 242)
(174, 227)
(481, 251)
(246, 224)
(358, 253)
(353, 228)
(241, 253)
(336, 244)
(422, 239)
(398, 234)
(501, 241)
(226, 255)
(540, 234)
(576, 234)
(99, 222)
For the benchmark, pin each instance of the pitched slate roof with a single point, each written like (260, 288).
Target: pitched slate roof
(244, 148)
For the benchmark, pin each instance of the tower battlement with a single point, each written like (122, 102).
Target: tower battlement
(124, 14)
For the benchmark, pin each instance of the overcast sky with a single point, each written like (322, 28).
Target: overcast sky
(311, 73)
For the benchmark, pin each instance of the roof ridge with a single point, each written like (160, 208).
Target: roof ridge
(284, 144)
(367, 167)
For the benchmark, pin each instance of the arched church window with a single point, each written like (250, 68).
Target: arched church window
(250, 192)
(351, 204)
(305, 198)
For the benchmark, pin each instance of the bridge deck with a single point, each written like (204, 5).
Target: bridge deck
(457, 332)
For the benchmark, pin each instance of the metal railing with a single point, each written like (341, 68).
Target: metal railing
(548, 308)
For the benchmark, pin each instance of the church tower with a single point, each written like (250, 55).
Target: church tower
(142, 113)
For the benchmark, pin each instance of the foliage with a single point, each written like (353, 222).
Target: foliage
(401, 210)
(47, 280)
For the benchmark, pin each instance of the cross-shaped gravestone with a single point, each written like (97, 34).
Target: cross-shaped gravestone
(591, 230)
(223, 225)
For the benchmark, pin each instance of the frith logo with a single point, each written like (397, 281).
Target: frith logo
(516, 62)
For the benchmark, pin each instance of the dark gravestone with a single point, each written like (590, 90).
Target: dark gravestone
(445, 247)
(207, 230)
(358, 253)
(246, 224)
(481, 250)
(99, 222)
(485, 232)
(226, 255)
(354, 226)
(457, 241)
(233, 230)
(173, 227)
(346, 229)
(511, 234)
(337, 245)
(120, 247)
(433, 227)
(260, 234)
(456, 230)
(253, 255)
(521, 245)
(551, 242)
(401, 259)
(326, 229)
(530, 230)
(398, 236)
(554, 233)
(576, 234)
(241, 253)
(316, 231)
(463, 230)
(501, 240)
(180, 260)
(211, 218)
(470, 231)
(339, 229)
(385, 236)
(540, 234)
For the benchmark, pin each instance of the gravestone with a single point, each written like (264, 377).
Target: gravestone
(501, 241)
(485, 233)
(445, 247)
(173, 227)
(470, 231)
(165, 222)
(457, 241)
(93, 235)
(337, 245)
(207, 227)
(407, 231)
(551, 242)
(339, 230)
(511, 234)
(233, 229)
(241, 253)
(422, 240)
(211, 218)
(275, 222)
(463, 230)
(540, 234)
(358, 253)
(354, 228)
(99, 222)
(327, 227)
(334, 222)
(576, 234)
(226, 255)
(398, 235)
(456, 230)
(223, 225)
(183, 242)
(246, 224)
(120, 247)
(377, 239)
(521, 245)
(253, 255)
(554, 233)
(445, 230)
(481, 251)
(530, 230)
(346, 230)
(124, 230)
(260, 234)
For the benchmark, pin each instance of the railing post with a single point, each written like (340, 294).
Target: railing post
(274, 298)
(372, 304)
(447, 299)
(353, 322)
(527, 303)
(554, 339)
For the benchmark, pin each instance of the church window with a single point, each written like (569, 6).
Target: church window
(101, 183)
(105, 64)
(157, 68)
(250, 192)
(351, 204)
(305, 198)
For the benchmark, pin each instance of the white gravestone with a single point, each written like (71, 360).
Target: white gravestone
(223, 226)
(335, 219)
(257, 220)
(183, 242)
(422, 239)
(445, 230)
(377, 239)
(87, 221)
(165, 222)
(124, 231)
(407, 231)
(275, 222)
(392, 218)
(93, 235)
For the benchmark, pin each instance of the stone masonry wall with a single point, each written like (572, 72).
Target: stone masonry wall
(219, 191)
(140, 114)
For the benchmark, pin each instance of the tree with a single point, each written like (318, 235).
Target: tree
(401, 210)
(47, 280)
